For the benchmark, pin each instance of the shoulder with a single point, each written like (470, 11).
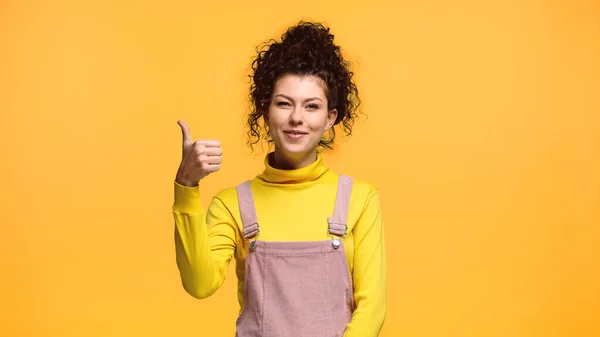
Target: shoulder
(364, 204)
(362, 193)
(229, 194)
(360, 186)
(363, 186)
(225, 203)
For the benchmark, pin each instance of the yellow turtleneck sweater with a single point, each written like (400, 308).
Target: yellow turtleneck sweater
(291, 206)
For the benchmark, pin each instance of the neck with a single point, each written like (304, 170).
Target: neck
(285, 161)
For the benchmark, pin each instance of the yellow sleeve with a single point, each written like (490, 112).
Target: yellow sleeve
(369, 275)
(204, 241)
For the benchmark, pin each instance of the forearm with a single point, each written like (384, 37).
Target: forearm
(369, 275)
(366, 324)
(369, 316)
(199, 272)
(202, 268)
(371, 302)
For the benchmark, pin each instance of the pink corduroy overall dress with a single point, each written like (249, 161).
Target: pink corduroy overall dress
(296, 289)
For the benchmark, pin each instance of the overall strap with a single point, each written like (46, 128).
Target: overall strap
(337, 222)
(247, 210)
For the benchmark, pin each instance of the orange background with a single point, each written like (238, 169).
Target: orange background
(483, 137)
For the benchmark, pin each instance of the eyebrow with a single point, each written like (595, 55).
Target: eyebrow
(306, 100)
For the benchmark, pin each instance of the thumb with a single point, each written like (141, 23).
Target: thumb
(185, 132)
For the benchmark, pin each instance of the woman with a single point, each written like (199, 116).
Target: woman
(308, 243)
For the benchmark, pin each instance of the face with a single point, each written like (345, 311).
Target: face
(298, 115)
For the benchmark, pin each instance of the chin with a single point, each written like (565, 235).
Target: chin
(295, 149)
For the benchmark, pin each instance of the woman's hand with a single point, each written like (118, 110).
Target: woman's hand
(199, 158)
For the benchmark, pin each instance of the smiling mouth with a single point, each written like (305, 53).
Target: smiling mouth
(295, 134)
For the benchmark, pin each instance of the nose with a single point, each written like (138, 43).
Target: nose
(296, 116)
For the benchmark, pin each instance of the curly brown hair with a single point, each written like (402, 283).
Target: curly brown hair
(305, 49)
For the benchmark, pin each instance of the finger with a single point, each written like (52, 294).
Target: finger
(208, 142)
(212, 151)
(210, 168)
(185, 132)
(212, 160)
(201, 150)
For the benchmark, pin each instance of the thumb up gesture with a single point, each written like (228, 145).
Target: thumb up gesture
(199, 158)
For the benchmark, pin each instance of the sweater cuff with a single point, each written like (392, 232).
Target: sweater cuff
(187, 200)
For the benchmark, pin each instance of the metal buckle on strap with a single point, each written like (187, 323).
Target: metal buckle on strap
(337, 231)
(253, 245)
(252, 234)
(336, 242)
(336, 236)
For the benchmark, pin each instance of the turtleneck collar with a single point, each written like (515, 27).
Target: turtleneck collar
(304, 174)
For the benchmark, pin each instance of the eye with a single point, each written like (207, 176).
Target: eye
(313, 106)
(282, 104)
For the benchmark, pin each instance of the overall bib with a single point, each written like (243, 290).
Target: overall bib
(296, 289)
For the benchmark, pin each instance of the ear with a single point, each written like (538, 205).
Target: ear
(331, 117)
